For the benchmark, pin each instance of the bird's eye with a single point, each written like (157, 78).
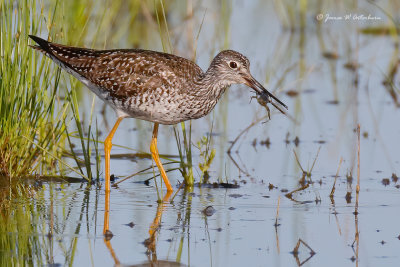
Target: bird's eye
(233, 64)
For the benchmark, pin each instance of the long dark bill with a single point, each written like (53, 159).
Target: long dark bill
(263, 93)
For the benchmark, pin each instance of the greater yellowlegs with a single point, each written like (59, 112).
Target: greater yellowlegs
(153, 86)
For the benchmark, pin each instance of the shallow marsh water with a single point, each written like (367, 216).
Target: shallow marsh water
(63, 222)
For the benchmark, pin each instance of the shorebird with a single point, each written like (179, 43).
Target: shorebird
(153, 86)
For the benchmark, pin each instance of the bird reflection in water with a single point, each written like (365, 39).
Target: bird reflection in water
(150, 243)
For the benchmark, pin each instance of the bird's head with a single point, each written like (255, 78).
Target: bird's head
(231, 67)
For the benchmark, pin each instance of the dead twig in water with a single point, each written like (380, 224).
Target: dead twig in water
(237, 166)
(296, 248)
(290, 194)
(315, 160)
(334, 183)
(304, 184)
(302, 180)
(357, 233)
(308, 173)
(295, 252)
(244, 131)
(143, 172)
(179, 189)
(236, 139)
(277, 212)
(358, 169)
(298, 162)
(276, 225)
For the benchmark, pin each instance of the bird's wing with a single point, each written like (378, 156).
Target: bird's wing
(128, 73)
(125, 72)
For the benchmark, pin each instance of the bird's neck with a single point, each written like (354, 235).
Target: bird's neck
(209, 87)
(213, 85)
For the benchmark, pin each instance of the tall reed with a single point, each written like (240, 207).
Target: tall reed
(31, 126)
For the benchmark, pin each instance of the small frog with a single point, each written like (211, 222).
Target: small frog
(264, 98)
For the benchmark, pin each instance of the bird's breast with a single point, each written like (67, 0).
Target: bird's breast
(166, 105)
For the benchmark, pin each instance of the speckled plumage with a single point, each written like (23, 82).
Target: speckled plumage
(153, 86)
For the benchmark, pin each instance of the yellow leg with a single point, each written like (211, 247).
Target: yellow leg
(107, 150)
(156, 157)
(106, 226)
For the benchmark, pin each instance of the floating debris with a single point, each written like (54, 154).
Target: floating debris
(267, 142)
(292, 93)
(287, 138)
(209, 211)
(394, 178)
(131, 224)
(349, 178)
(271, 186)
(333, 102)
(348, 197)
(330, 55)
(225, 185)
(385, 181)
(254, 143)
(296, 141)
(235, 195)
(351, 65)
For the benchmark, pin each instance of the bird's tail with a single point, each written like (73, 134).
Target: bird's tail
(43, 45)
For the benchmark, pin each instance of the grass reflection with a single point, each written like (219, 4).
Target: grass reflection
(21, 234)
